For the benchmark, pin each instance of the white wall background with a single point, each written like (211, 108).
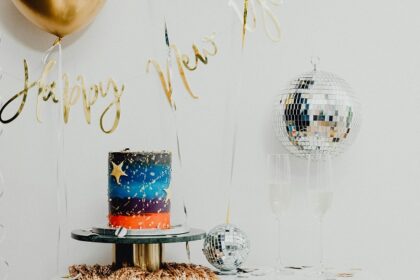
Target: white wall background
(374, 222)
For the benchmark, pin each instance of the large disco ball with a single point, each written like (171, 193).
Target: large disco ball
(317, 114)
(226, 247)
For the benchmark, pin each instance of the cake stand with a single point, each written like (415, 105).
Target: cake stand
(144, 251)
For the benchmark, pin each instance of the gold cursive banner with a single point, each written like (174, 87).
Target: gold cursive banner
(268, 17)
(71, 95)
(244, 22)
(198, 56)
(183, 62)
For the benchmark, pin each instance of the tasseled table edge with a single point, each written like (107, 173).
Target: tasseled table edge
(169, 271)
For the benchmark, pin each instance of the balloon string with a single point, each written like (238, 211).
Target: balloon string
(237, 95)
(178, 146)
(232, 169)
(45, 60)
(62, 203)
(174, 112)
(169, 92)
(2, 190)
(179, 153)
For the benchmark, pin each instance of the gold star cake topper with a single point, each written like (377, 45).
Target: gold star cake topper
(117, 171)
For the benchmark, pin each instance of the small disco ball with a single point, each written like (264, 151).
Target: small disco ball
(226, 247)
(316, 115)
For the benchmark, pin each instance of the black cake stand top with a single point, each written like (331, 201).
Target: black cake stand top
(89, 236)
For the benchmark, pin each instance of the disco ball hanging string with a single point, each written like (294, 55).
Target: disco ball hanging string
(4, 265)
(317, 114)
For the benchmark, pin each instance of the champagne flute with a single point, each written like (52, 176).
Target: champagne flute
(279, 182)
(320, 195)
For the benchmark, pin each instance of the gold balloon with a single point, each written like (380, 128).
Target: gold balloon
(59, 17)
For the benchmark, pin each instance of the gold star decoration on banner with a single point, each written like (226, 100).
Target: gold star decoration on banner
(168, 194)
(117, 171)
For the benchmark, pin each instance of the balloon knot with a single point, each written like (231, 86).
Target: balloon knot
(57, 41)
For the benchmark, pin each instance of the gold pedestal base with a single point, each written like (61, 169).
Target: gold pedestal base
(146, 256)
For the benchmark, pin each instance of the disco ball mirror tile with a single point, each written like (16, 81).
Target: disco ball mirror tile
(226, 247)
(317, 114)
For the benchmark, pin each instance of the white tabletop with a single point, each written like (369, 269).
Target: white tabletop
(266, 274)
(332, 274)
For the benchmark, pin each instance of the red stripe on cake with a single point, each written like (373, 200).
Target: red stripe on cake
(143, 221)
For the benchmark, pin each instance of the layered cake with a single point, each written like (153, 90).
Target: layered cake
(139, 189)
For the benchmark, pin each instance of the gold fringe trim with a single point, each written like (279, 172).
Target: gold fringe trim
(169, 271)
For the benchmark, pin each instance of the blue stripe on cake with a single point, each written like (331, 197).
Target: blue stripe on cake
(150, 191)
(142, 174)
(142, 181)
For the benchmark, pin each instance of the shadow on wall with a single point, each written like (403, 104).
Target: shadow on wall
(27, 33)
